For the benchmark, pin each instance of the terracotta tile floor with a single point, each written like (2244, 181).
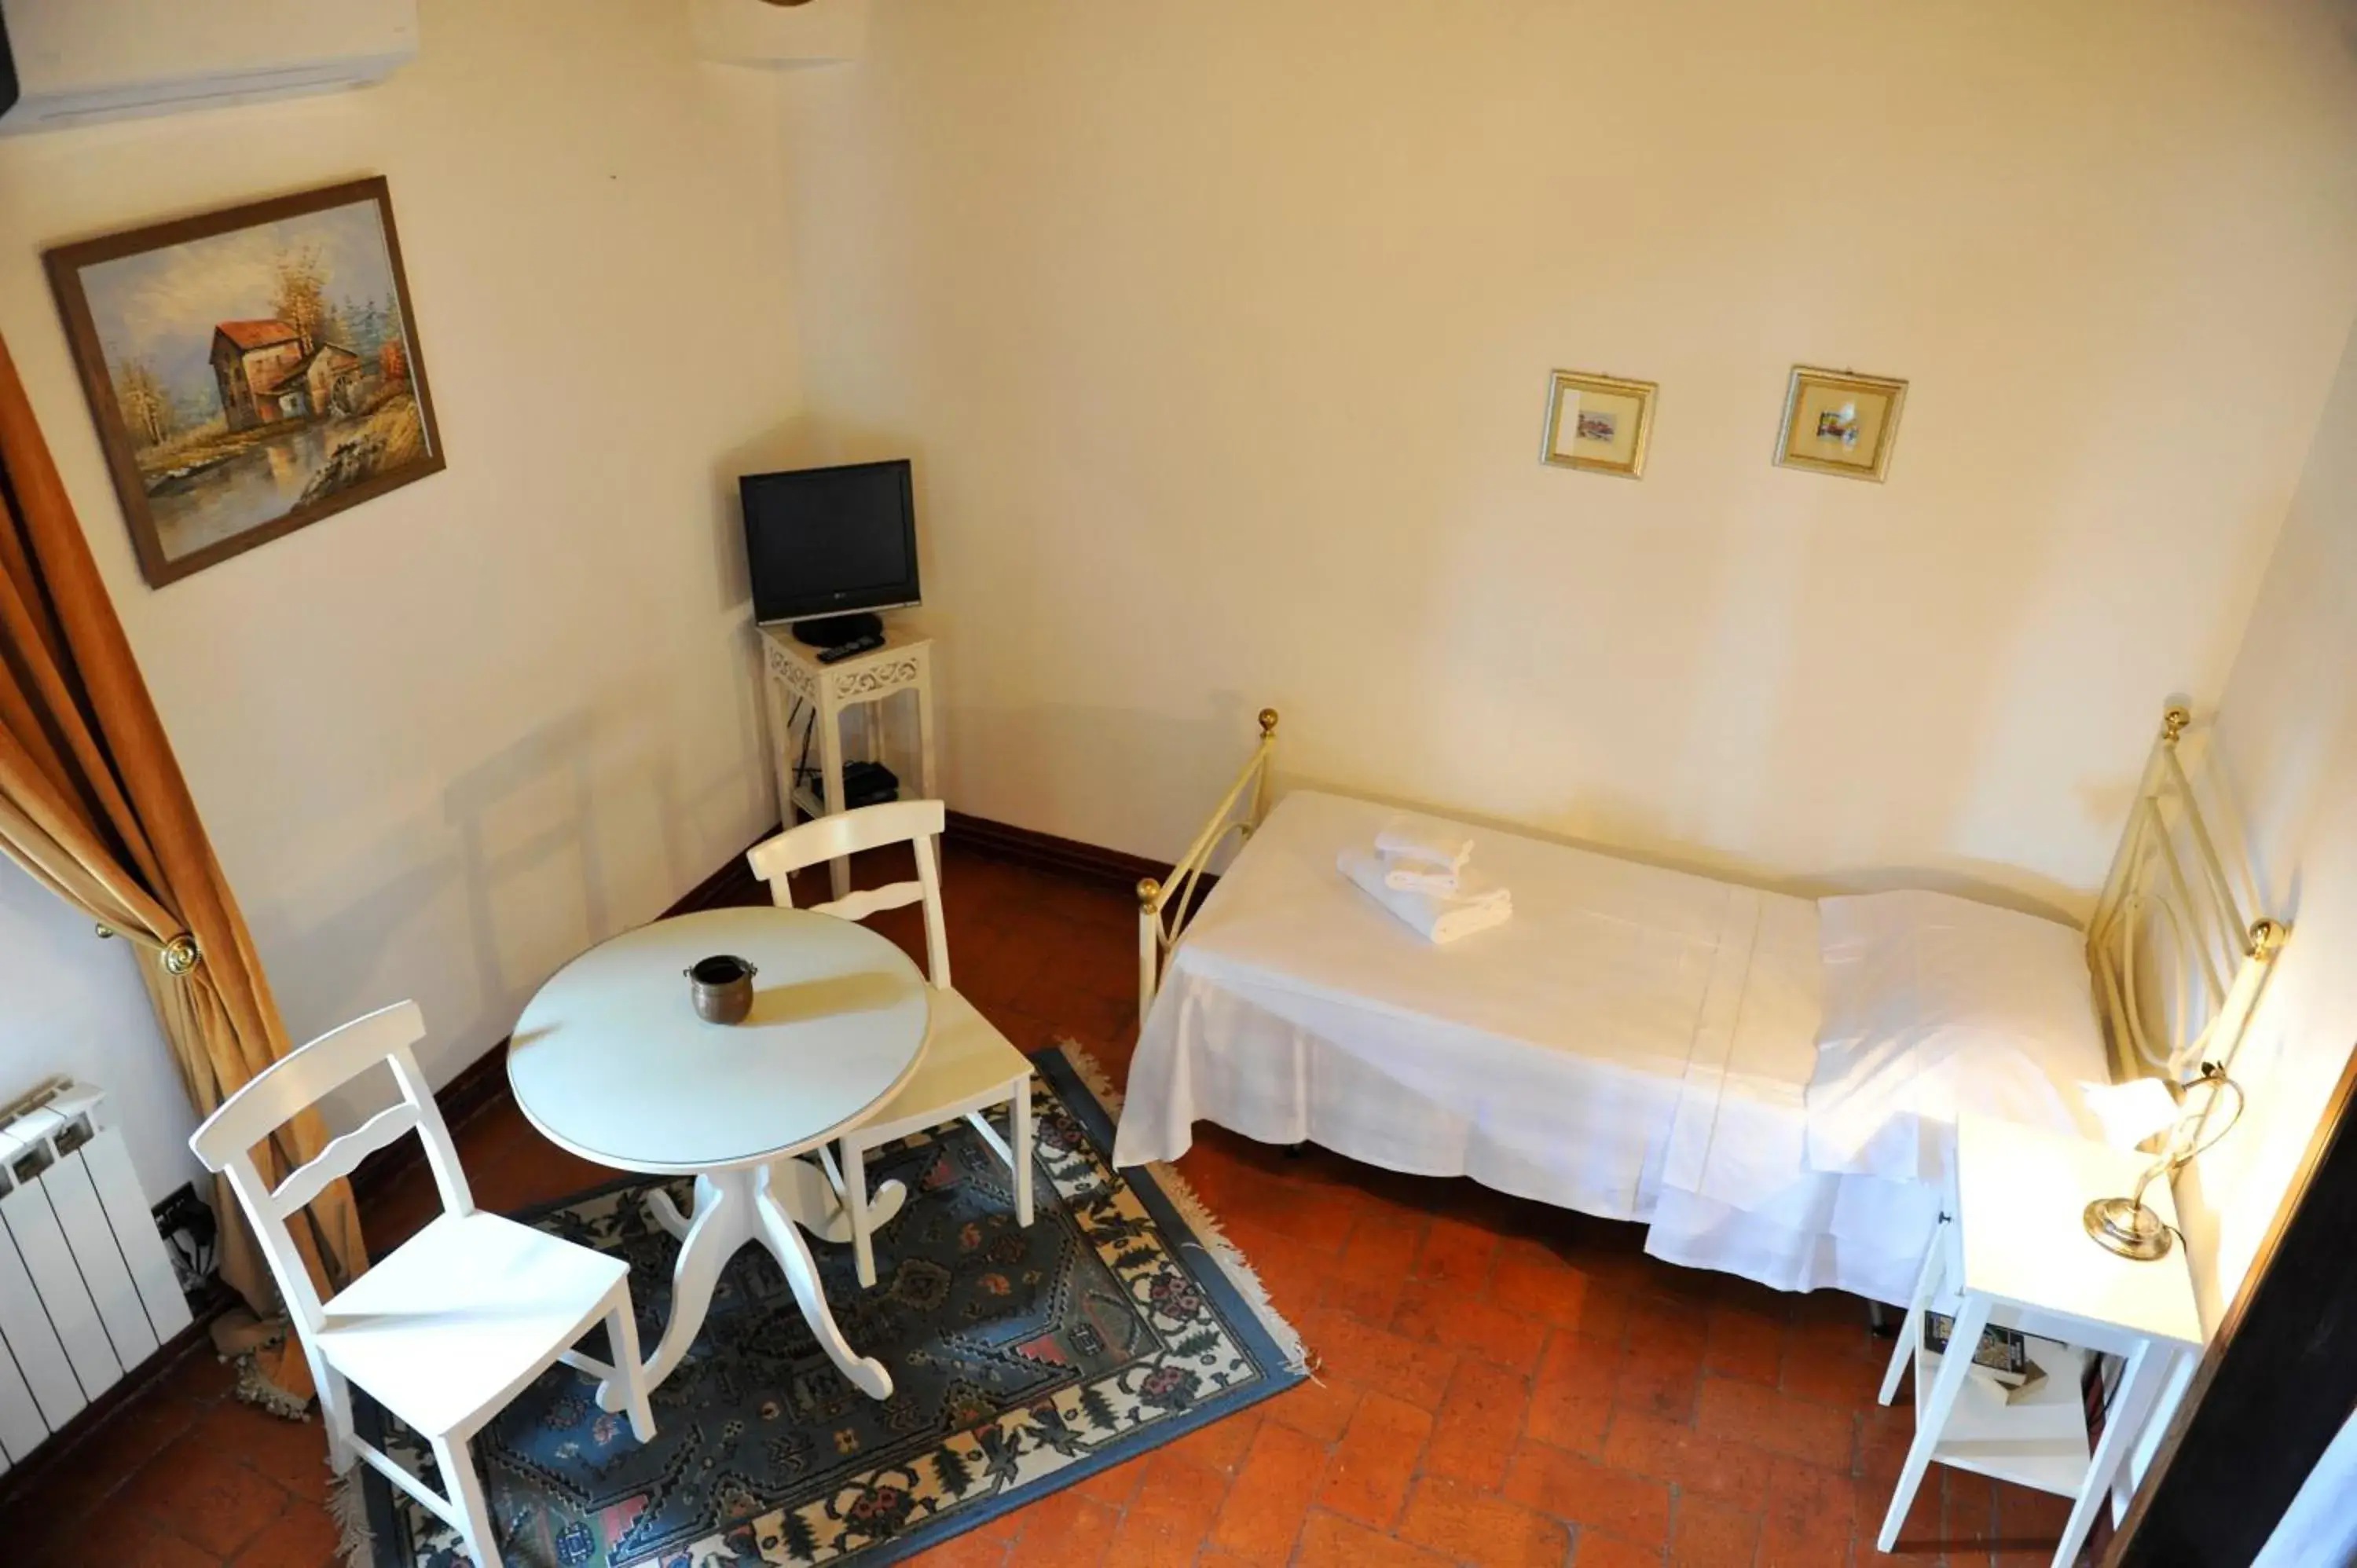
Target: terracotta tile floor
(1502, 1383)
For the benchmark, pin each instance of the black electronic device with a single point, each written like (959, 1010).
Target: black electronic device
(868, 784)
(865, 642)
(826, 547)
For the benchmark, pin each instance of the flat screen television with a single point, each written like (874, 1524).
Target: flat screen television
(823, 545)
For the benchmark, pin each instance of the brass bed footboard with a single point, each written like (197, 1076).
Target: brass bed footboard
(1164, 907)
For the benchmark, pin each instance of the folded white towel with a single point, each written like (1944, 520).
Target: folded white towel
(1476, 907)
(1421, 877)
(1408, 838)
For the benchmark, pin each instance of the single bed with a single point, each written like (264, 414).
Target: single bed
(1635, 1043)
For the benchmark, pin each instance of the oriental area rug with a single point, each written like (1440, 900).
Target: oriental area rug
(1022, 1360)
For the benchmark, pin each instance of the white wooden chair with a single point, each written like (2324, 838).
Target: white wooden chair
(968, 1065)
(458, 1319)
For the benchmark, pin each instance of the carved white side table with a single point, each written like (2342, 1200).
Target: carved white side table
(800, 687)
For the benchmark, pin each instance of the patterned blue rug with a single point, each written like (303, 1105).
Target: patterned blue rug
(1022, 1360)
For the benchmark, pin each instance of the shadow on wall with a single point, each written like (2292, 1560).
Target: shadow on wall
(1153, 767)
(521, 873)
(528, 845)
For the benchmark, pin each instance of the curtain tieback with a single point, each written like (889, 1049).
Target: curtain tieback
(180, 954)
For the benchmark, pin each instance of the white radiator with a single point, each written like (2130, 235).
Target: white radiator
(86, 1287)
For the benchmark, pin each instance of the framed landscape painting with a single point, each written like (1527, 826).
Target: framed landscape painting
(252, 371)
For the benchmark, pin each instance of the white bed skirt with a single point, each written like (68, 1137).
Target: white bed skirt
(1209, 1052)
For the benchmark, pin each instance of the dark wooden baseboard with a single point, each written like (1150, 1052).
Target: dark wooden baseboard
(1046, 852)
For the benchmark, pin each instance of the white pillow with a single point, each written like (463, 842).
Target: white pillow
(1936, 1006)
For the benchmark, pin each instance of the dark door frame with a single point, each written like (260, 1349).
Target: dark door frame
(2277, 1382)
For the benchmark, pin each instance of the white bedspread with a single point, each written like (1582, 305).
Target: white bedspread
(1634, 1043)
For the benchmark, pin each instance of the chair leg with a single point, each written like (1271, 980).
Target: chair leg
(855, 1197)
(335, 1412)
(622, 1339)
(453, 1457)
(1019, 1144)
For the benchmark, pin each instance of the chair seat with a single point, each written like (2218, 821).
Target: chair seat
(461, 1315)
(968, 1064)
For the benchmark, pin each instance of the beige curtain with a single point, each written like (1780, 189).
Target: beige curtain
(92, 804)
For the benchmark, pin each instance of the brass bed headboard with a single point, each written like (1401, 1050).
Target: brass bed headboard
(2178, 965)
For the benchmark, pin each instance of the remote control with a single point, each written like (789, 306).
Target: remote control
(841, 651)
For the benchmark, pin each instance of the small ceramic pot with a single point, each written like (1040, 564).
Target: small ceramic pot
(721, 987)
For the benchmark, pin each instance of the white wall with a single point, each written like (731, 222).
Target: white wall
(72, 1003)
(2285, 756)
(446, 739)
(1221, 334)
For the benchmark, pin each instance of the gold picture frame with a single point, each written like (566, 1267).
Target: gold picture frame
(1838, 422)
(1612, 423)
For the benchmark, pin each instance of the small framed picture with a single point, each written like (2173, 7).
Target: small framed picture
(1600, 423)
(1838, 422)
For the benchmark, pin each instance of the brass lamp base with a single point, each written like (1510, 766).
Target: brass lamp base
(2123, 1225)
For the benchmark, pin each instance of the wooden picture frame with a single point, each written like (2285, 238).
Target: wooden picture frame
(1838, 422)
(1612, 423)
(252, 371)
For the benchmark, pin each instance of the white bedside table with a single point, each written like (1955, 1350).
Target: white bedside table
(794, 679)
(2011, 1249)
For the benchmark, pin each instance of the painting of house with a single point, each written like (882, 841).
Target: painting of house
(265, 371)
(252, 371)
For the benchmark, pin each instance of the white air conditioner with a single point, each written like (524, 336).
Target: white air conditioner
(81, 60)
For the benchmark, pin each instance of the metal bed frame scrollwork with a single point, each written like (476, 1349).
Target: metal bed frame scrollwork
(2176, 965)
(1165, 906)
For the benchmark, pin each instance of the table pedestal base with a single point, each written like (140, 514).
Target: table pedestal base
(772, 1205)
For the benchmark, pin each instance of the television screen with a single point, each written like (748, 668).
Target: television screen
(826, 542)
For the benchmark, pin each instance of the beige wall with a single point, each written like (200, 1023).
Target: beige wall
(446, 739)
(2286, 757)
(1221, 334)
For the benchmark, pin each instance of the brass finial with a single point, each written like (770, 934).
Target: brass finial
(2267, 935)
(1149, 890)
(105, 930)
(2173, 721)
(1268, 721)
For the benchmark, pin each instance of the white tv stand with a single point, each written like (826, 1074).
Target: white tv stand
(796, 684)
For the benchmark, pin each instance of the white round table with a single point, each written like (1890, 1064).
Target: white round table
(610, 1061)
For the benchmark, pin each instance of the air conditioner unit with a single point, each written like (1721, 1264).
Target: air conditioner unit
(81, 61)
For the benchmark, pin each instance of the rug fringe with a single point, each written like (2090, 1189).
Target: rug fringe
(1211, 1236)
(348, 1505)
(255, 1388)
(1093, 1076)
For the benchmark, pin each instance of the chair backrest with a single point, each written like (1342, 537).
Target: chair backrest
(226, 1141)
(915, 823)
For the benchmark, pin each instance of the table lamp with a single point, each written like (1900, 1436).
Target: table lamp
(2126, 1225)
